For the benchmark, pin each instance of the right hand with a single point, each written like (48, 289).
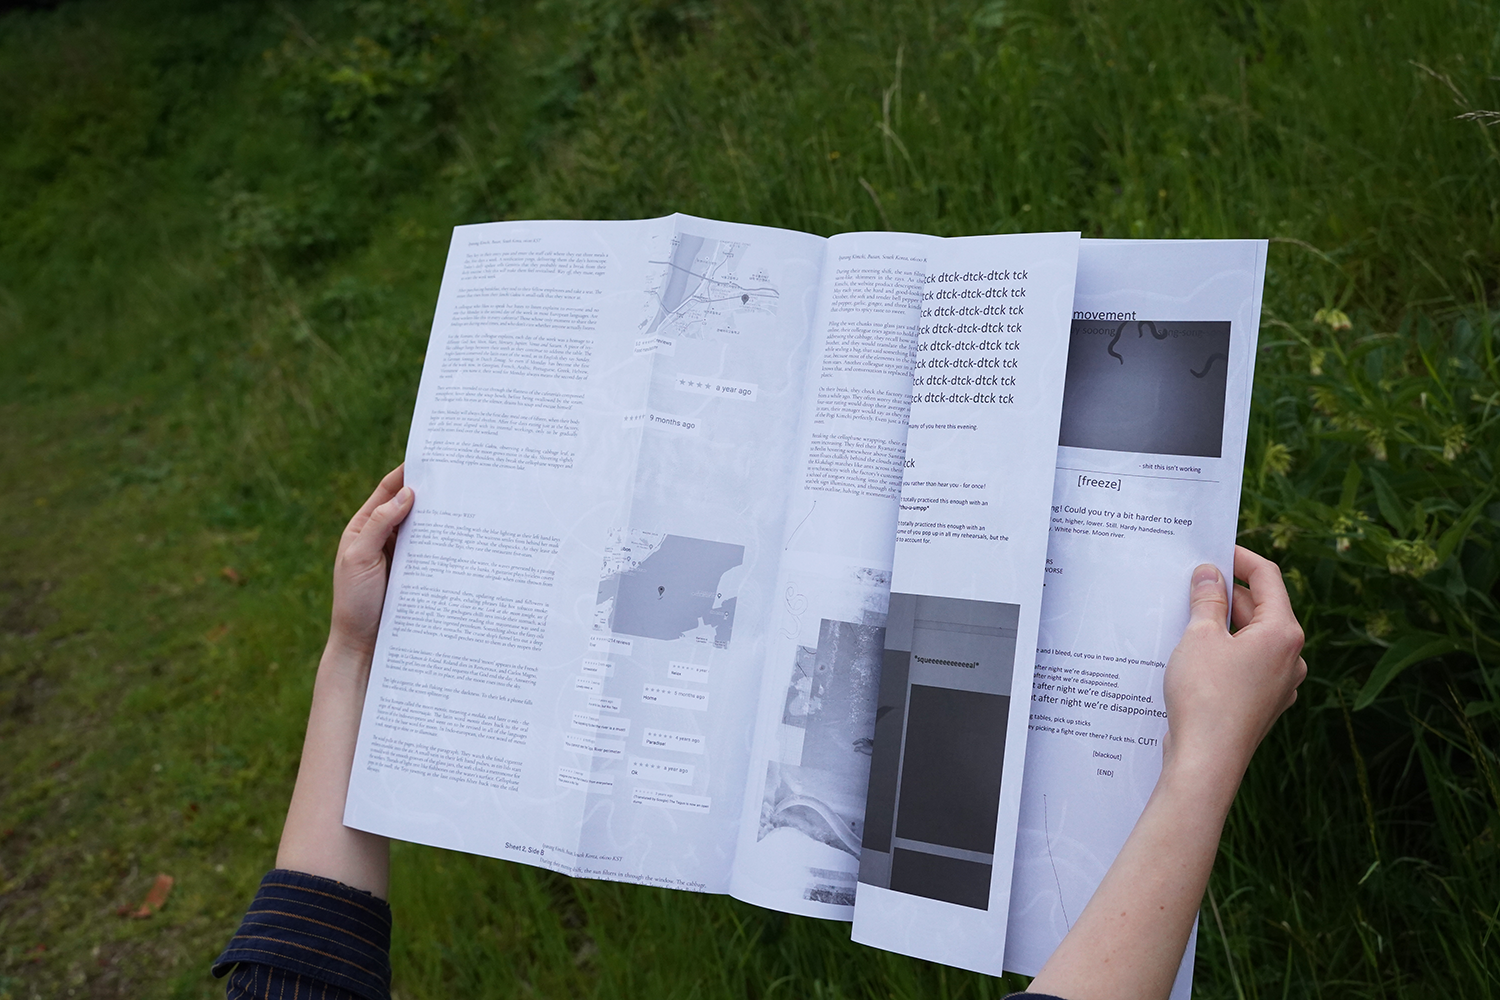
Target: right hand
(1224, 691)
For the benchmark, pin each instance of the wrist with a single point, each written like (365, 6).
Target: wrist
(345, 664)
(1209, 780)
(349, 644)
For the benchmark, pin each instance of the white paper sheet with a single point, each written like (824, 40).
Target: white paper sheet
(1149, 464)
(805, 799)
(966, 587)
(579, 602)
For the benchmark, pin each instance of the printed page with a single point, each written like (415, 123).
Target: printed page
(954, 695)
(1150, 456)
(554, 606)
(804, 810)
(518, 455)
(686, 598)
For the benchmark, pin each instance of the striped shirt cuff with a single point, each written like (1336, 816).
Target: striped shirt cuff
(318, 928)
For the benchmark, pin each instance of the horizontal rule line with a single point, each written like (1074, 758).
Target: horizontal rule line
(1137, 475)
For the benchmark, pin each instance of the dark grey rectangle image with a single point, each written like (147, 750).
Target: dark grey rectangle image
(1146, 386)
(885, 758)
(950, 770)
(954, 880)
(938, 757)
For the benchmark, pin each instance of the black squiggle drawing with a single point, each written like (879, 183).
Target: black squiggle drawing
(1140, 331)
(801, 523)
(1115, 340)
(1209, 364)
(1047, 833)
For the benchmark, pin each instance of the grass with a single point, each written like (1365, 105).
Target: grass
(223, 231)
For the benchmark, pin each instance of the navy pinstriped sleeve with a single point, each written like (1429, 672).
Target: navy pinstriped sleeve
(310, 933)
(263, 982)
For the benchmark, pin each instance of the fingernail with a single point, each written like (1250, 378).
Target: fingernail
(1206, 575)
(404, 494)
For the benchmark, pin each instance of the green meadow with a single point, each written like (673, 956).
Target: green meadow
(222, 227)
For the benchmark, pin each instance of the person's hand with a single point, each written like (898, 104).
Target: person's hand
(1223, 691)
(315, 839)
(363, 563)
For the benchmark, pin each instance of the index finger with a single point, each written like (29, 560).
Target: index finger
(1267, 588)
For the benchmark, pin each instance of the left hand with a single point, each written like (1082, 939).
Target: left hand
(315, 838)
(363, 564)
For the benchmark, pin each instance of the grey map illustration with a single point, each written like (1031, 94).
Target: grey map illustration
(701, 290)
(660, 586)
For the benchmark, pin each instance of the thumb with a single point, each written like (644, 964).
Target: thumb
(1207, 599)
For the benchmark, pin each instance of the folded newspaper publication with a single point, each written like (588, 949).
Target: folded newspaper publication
(835, 574)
